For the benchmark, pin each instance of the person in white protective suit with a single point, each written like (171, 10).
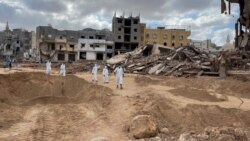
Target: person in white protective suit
(62, 70)
(105, 73)
(48, 67)
(94, 73)
(119, 76)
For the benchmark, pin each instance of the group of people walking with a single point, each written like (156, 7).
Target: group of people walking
(119, 73)
(62, 71)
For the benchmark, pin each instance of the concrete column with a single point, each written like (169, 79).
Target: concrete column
(104, 56)
(66, 57)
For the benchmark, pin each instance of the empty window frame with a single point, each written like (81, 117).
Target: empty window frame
(154, 36)
(83, 45)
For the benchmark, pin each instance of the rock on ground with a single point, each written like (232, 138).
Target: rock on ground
(164, 131)
(187, 137)
(143, 126)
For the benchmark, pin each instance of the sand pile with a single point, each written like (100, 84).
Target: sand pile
(33, 88)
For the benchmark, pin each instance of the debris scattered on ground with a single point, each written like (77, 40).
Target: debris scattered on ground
(180, 61)
(215, 133)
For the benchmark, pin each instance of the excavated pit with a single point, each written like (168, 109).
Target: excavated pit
(35, 88)
(34, 106)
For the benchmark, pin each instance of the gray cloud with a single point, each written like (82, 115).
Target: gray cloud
(182, 6)
(6, 12)
(202, 15)
(46, 5)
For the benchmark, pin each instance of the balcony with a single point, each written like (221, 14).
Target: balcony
(61, 49)
(45, 40)
(8, 53)
(64, 40)
(98, 49)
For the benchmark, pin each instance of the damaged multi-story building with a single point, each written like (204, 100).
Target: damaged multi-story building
(242, 26)
(171, 37)
(127, 33)
(95, 44)
(15, 43)
(56, 45)
(67, 45)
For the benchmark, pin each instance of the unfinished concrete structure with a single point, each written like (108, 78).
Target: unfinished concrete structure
(127, 33)
(242, 26)
(14, 43)
(62, 45)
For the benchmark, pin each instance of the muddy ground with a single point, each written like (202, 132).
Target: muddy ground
(38, 107)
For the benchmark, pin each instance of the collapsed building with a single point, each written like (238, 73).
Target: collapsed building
(169, 60)
(15, 43)
(242, 25)
(69, 46)
(180, 61)
(56, 45)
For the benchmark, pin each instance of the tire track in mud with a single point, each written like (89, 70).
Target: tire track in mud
(38, 124)
(44, 127)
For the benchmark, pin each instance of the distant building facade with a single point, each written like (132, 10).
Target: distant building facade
(167, 37)
(95, 49)
(127, 33)
(203, 44)
(99, 43)
(56, 45)
(63, 45)
(15, 43)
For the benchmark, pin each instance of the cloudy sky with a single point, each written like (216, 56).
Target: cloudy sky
(202, 16)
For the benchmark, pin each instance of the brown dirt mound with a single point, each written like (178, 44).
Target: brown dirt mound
(233, 86)
(20, 92)
(145, 81)
(33, 88)
(192, 117)
(228, 86)
(196, 94)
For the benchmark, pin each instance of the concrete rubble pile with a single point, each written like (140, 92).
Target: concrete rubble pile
(216, 134)
(179, 61)
(79, 66)
(239, 60)
(173, 61)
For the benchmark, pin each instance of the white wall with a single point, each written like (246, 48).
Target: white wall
(205, 44)
(91, 56)
(102, 45)
(33, 40)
